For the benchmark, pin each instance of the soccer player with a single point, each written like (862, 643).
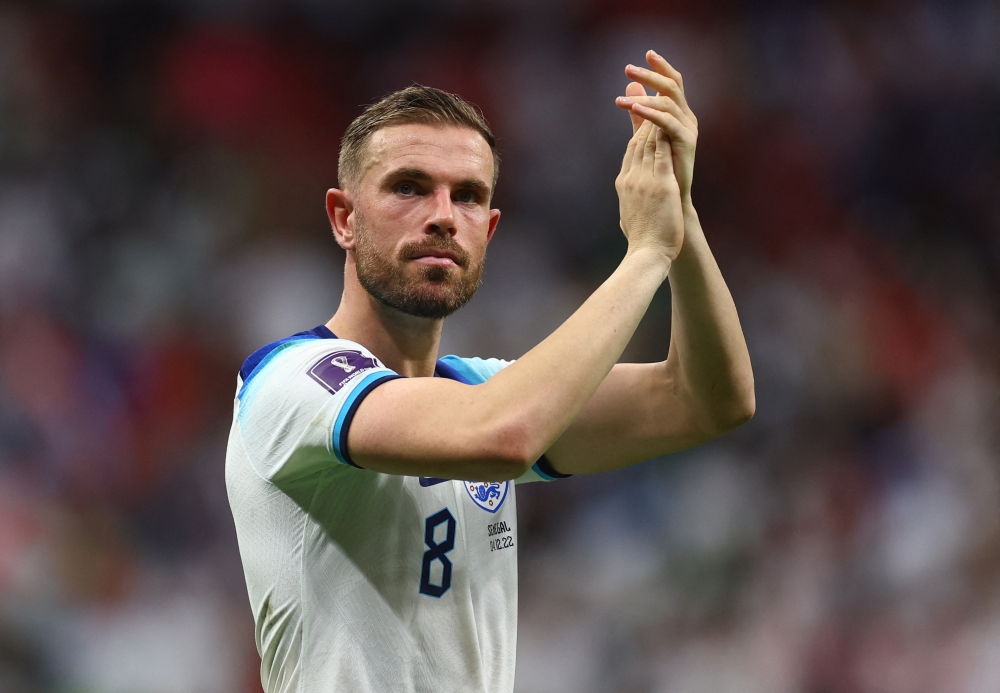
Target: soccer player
(372, 483)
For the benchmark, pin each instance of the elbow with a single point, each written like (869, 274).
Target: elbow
(517, 458)
(514, 450)
(744, 409)
(735, 411)
(516, 466)
(499, 447)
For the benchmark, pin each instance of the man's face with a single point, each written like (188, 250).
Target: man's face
(422, 217)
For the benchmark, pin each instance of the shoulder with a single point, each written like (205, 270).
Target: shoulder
(322, 358)
(471, 370)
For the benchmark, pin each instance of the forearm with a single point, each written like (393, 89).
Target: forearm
(497, 429)
(705, 386)
(545, 390)
(708, 354)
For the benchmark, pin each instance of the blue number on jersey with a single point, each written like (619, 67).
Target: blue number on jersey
(436, 552)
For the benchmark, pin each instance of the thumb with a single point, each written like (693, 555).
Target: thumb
(635, 89)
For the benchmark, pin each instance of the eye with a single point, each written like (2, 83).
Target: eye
(406, 188)
(466, 196)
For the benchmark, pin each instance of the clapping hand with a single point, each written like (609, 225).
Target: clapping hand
(657, 169)
(668, 110)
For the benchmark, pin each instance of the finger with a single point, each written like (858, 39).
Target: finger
(635, 89)
(659, 103)
(663, 161)
(630, 152)
(661, 84)
(632, 90)
(673, 127)
(641, 135)
(660, 64)
(649, 149)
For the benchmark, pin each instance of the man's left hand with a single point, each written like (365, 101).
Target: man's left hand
(668, 110)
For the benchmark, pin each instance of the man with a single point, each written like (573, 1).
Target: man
(371, 481)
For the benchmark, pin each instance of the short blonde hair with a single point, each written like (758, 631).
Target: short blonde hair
(416, 104)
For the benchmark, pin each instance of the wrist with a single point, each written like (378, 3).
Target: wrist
(651, 257)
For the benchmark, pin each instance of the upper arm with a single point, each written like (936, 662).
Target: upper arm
(295, 408)
(639, 412)
(435, 427)
(453, 427)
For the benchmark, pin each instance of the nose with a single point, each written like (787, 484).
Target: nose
(442, 219)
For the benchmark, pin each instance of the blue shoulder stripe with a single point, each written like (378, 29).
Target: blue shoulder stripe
(472, 371)
(452, 368)
(284, 344)
(253, 364)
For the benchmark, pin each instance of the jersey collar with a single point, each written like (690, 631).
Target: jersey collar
(441, 369)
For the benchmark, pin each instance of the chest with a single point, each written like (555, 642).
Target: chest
(472, 523)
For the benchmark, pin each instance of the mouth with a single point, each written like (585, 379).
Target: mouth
(434, 257)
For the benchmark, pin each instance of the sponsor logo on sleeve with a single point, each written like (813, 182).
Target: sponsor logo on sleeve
(335, 370)
(488, 495)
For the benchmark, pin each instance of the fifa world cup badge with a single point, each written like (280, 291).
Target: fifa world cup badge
(333, 371)
(488, 495)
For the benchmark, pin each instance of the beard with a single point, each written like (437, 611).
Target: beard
(436, 291)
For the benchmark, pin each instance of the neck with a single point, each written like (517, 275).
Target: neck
(406, 344)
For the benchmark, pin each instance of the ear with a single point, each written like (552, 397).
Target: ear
(635, 89)
(494, 220)
(340, 210)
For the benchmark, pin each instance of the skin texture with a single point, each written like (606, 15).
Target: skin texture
(446, 278)
(426, 186)
(445, 209)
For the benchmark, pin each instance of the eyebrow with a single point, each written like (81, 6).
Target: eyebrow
(474, 184)
(421, 175)
(414, 173)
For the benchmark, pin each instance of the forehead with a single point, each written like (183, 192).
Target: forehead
(440, 150)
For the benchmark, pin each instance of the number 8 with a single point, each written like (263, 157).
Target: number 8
(436, 552)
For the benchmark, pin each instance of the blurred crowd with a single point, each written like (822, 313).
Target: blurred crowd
(162, 170)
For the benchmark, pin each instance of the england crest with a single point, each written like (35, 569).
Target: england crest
(488, 495)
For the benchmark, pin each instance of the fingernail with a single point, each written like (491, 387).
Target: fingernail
(624, 99)
(655, 54)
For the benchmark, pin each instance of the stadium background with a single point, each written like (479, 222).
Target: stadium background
(162, 169)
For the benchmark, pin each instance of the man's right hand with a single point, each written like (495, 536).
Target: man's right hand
(649, 198)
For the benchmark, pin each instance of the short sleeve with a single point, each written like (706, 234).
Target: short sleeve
(475, 371)
(295, 409)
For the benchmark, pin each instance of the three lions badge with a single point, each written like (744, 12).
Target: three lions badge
(488, 495)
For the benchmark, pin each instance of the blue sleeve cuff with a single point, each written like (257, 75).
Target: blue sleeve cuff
(350, 407)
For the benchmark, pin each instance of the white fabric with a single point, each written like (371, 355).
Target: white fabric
(333, 554)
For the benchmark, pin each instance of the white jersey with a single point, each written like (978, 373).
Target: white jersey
(361, 581)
